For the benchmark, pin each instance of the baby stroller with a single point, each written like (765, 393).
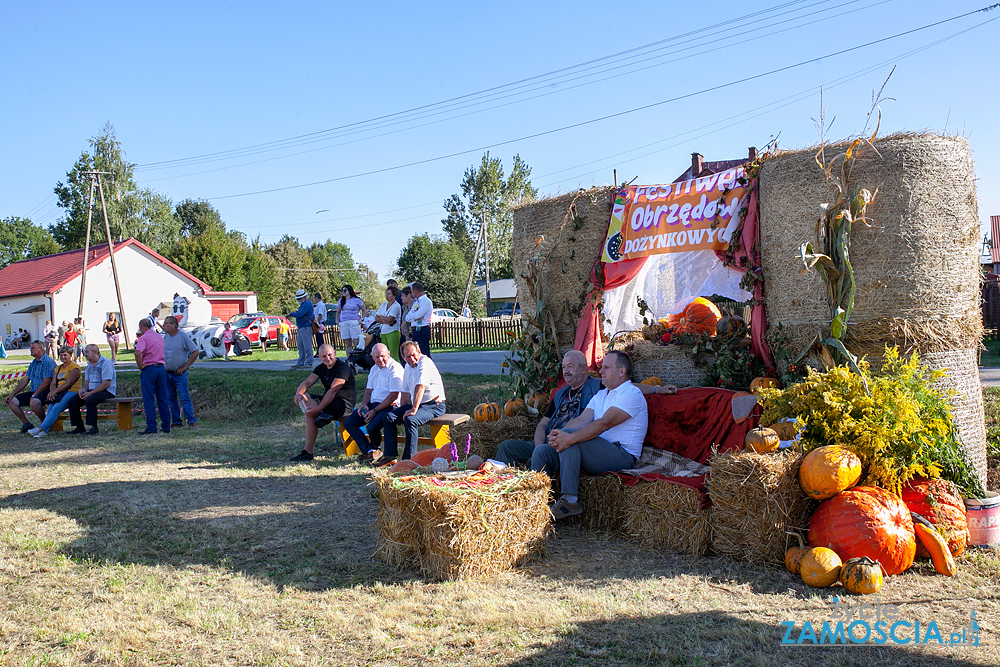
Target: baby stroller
(363, 357)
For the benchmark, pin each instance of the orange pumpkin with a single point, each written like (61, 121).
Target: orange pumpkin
(933, 500)
(826, 471)
(538, 401)
(820, 567)
(515, 406)
(866, 521)
(404, 466)
(653, 381)
(761, 440)
(793, 556)
(701, 316)
(785, 430)
(764, 383)
(486, 412)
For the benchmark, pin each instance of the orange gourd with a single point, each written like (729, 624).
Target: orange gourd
(426, 456)
(539, 401)
(515, 406)
(486, 412)
(653, 381)
(764, 383)
(785, 430)
(820, 567)
(761, 440)
(933, 500)
(826, 471)
(701, 316)
(861, 575)
(793, 556)
(935, 545)
(866, 521)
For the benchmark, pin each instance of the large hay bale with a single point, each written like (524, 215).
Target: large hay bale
(657, 515)
(571, 243)
(671, 363)
(487, 436)
(458, 533)
(916, 265)
(756, 501)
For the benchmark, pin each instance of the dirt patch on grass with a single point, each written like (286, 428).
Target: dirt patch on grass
(207, 547)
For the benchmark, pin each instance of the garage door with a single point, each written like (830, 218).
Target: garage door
(226, 308)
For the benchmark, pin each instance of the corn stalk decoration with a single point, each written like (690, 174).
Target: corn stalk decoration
(830, 257)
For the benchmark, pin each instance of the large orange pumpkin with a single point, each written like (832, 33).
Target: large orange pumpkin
(426, 456)
(764, 383)
(486, 412)
(515, 406)
(933, 500)
(866, 521)
(701, 316)
(826, 471)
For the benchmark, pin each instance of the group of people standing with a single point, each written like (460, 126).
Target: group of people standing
(404, 315)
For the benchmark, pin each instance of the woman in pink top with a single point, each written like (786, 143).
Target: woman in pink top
(227, 339)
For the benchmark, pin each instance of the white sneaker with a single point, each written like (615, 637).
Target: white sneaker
(34, 431)
(40, 434)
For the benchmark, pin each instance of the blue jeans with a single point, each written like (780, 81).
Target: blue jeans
(596, 456)
(422, 337)
(515, 452)
(153, 381)
(303, 341)
(353, 423)
(178, 384)
(425, 413)
(56, 410)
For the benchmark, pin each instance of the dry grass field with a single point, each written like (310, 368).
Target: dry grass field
(205, 547)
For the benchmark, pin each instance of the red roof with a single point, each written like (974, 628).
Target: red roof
(47, 274)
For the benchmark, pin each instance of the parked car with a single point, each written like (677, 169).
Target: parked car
(508, 310)
(440, 314)
(250, 326)
(242, 316)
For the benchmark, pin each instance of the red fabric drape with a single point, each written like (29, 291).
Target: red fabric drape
(588, 331)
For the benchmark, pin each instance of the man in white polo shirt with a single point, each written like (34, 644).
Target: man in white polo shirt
(422, 400)
(607, 436)
(419, 317)
(385, 383)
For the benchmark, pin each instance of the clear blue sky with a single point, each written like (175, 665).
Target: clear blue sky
(185, 79)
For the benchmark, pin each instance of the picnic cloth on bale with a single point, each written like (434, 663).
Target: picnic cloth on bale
(683, 428)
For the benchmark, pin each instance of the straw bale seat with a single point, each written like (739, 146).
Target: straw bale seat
(460, 533)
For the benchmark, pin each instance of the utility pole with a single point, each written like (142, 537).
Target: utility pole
(472, 271)
(86, 245)
(486, 256)
(114, 267)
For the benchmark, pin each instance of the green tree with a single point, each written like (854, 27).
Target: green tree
(488, 195)
(140, 213)
(22, 239)
(261, 276)
(292, 266)
(440, 265)
(197, 216)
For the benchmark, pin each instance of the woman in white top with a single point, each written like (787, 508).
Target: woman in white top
(388, 315)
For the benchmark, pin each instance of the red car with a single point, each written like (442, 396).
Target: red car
(250, 327)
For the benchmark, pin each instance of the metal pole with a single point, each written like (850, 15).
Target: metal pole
(114, 267)
(486, 256)
(472, 271)
(86, 247)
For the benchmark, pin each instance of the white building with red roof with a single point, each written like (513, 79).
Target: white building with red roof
(48, 288)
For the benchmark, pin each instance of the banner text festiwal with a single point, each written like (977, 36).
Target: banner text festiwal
(655, 219)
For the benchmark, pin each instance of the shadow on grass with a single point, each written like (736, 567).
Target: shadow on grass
(721, 638)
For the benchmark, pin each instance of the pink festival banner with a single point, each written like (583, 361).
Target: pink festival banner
(698, 214)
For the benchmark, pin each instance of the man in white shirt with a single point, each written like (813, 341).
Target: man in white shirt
(419, 318)
(423, 400)
(319, 317)
(607, 436)
(385, 383)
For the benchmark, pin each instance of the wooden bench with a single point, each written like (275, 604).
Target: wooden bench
(440, 432)
(123, 415)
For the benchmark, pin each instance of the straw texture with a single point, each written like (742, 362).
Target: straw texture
(487, 436)
(454, 534)
(756, 500)
(916, 265)
(671, 363)
(571, 243)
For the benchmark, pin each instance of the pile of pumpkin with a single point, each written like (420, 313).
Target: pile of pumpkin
(531, 404)
(859, 534)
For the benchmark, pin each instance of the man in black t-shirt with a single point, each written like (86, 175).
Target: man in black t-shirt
(337, 378)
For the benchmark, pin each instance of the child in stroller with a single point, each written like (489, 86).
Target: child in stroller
(363, 357)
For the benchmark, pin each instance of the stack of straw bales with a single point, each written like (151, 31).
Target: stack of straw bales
(572, 244)
(673, 364)
(756, 501)
(916, 266)
(458, 534)
(657, 515)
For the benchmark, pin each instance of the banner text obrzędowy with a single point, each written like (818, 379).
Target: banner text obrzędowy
(654, 219)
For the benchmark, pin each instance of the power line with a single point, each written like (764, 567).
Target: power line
(712, 32)
(613, 115)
